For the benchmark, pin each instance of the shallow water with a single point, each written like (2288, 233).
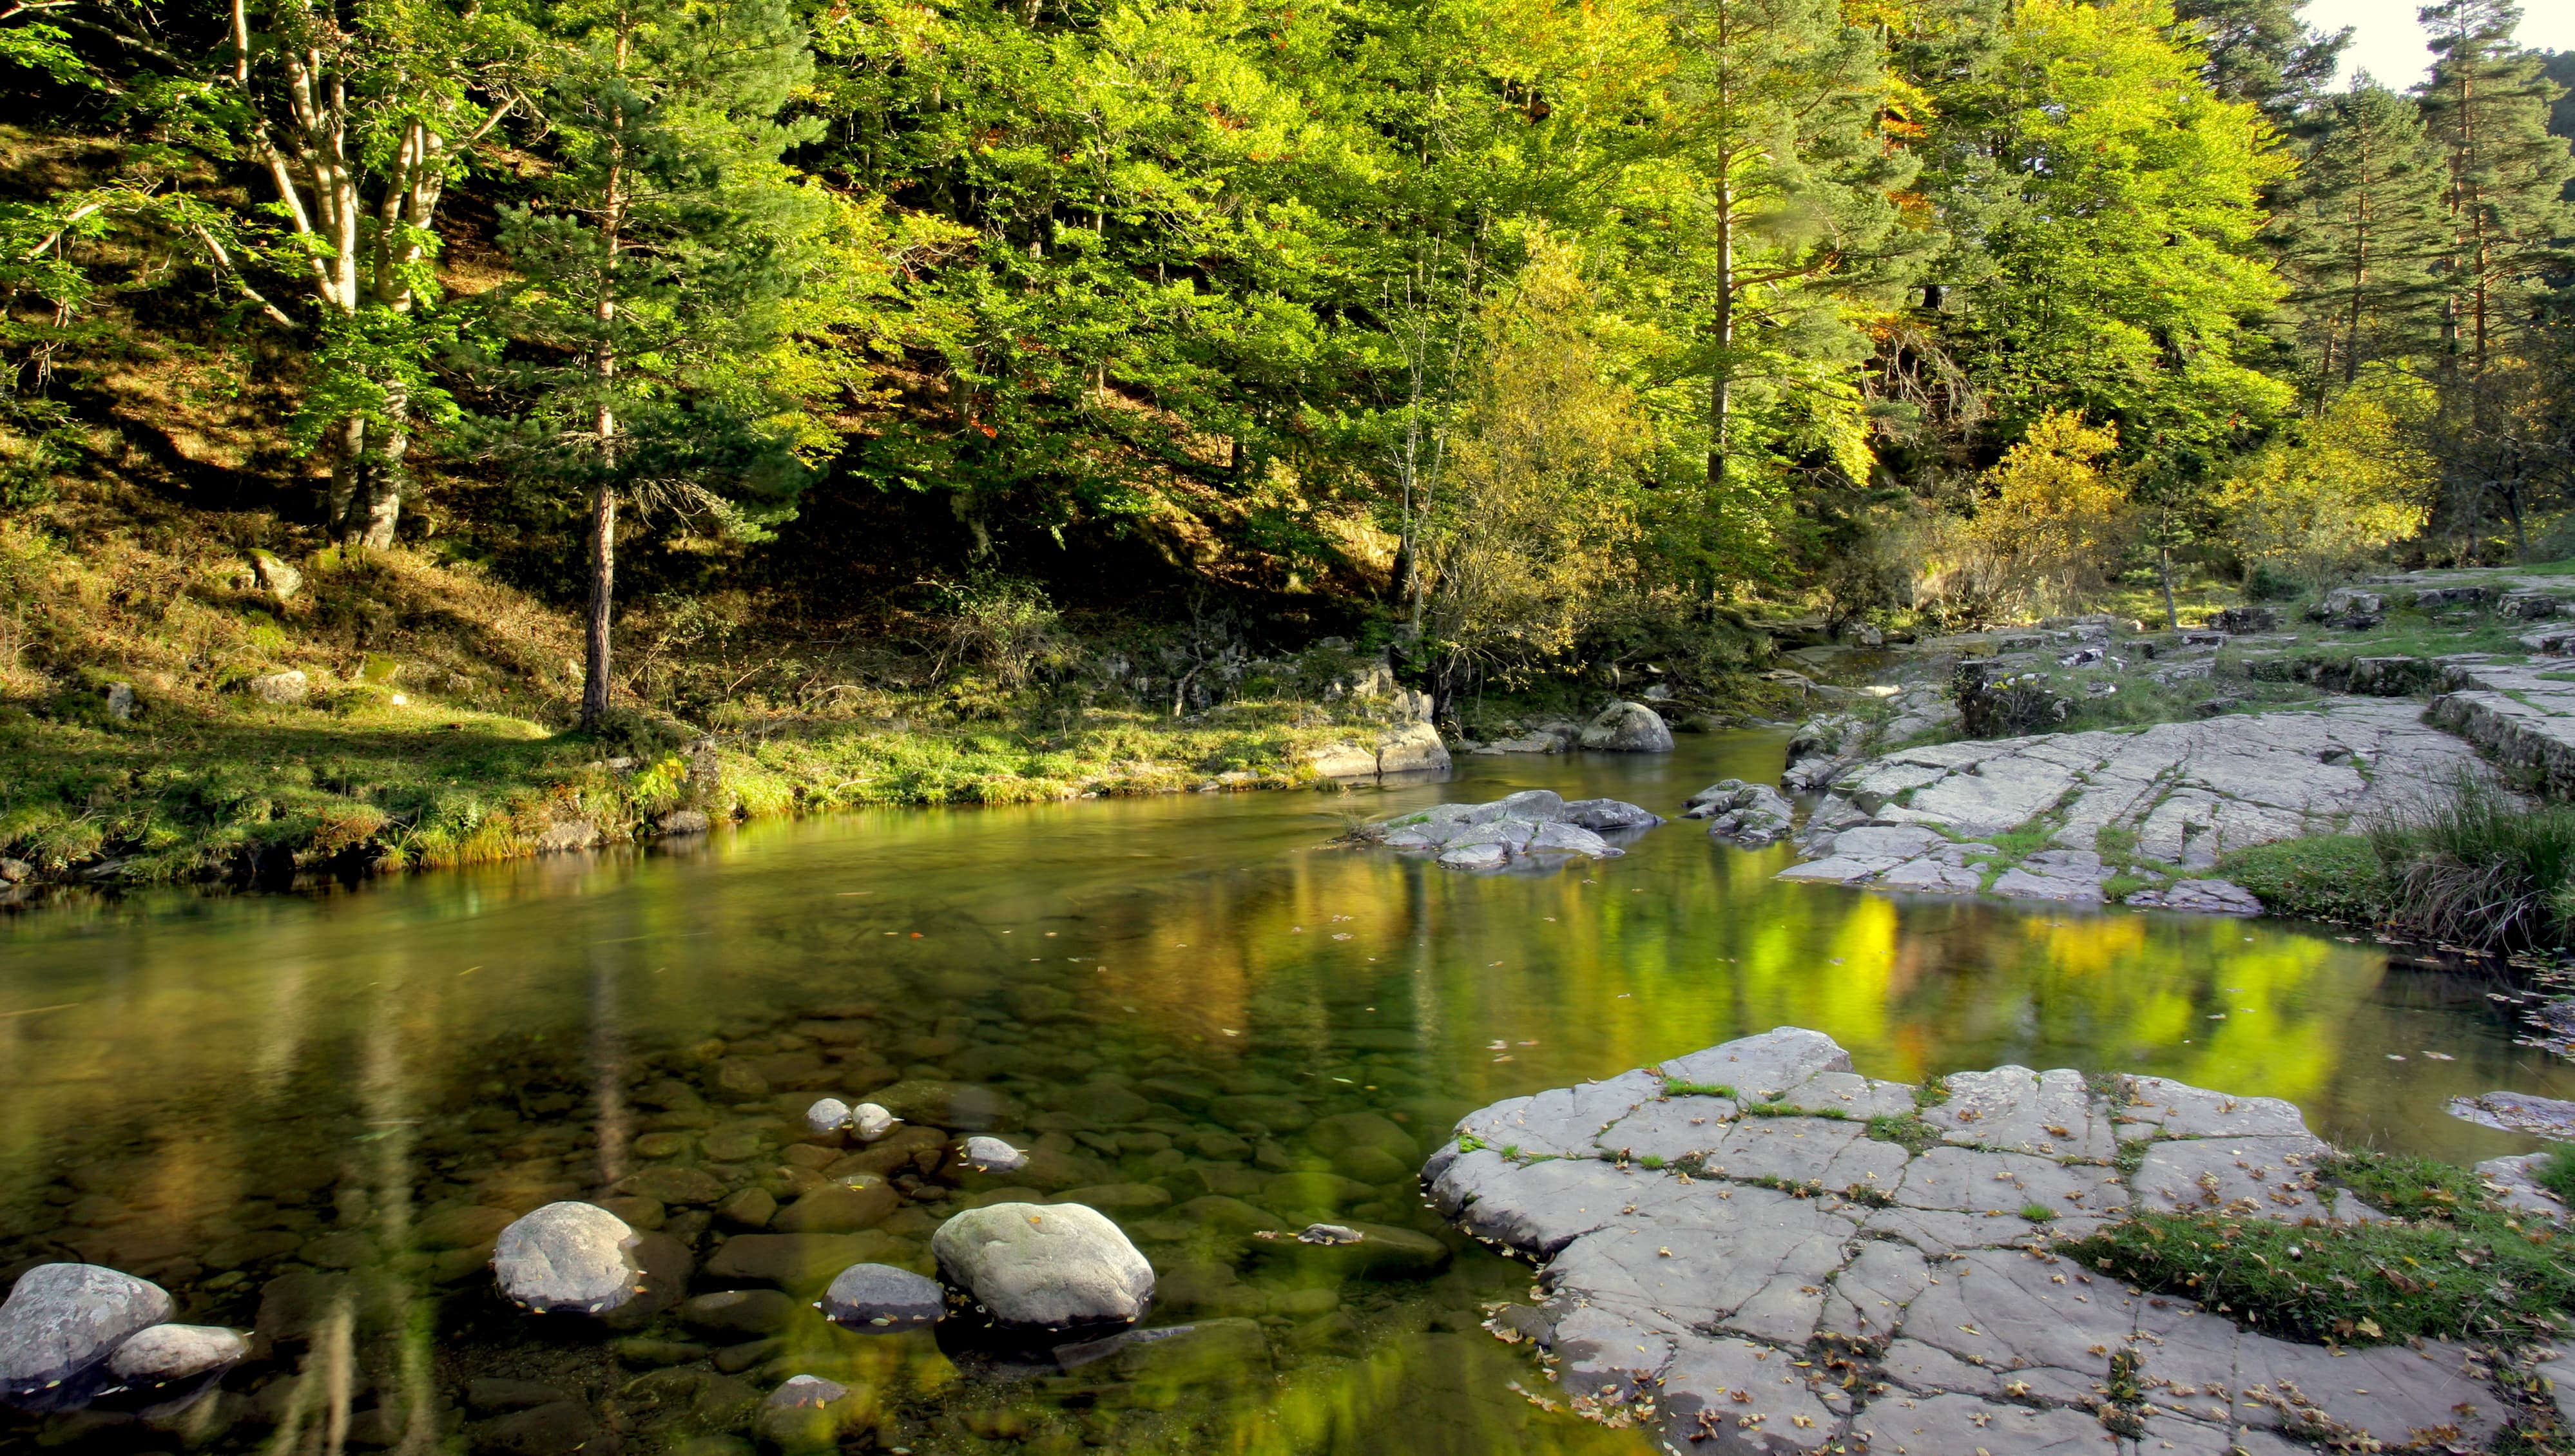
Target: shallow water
(285, 1107)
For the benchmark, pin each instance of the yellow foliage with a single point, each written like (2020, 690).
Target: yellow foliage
(2356, 482)
(2054, 516)
(1533, 525)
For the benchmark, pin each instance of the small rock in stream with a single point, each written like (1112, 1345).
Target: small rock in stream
(1328, 1233)
(1629, 727)
(992, 1155)
(566, 1258)
(805, 1414)
(880, 1298)
(62, 1322)
(827, 1116)
(1048, 1267)
(166, 1354)
(871, 1121)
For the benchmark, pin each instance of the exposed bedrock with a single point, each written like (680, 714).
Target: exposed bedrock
(1782, 1280)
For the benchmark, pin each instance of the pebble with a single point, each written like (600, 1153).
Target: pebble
(871, 1121)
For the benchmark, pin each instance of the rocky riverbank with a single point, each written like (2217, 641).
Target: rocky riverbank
(1755, 1248)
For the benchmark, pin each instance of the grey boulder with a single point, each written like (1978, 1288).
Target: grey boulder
(62, 1321)
(2200, 897)
(878, 1298)
(1045, 1268)
(166, 1354)
(1629, 727)
(1603, 816)
(566, 1258)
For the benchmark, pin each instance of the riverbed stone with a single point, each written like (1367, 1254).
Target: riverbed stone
(878, 1298)
(828, 1115)
(806, 1413)
(61, 1321)
(166, 1354)
(992, 1155)
(859, 1201)
(1707, 1246)
(1627, 727)
(573, 1258)
(1050, 1268)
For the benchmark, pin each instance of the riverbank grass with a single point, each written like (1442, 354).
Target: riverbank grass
(207, 787)
(2448, 1262)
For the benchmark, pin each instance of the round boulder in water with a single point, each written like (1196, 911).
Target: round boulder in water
(880, 1299)
(566, 1258)
(1050, 1267)
(169, 1353)
(871, 1121)
(827, 1116)
(62, 1321)
(1629, 727)
(992, 1155)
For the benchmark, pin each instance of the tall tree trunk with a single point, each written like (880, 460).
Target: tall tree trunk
(602, 596)
(1720, 403)
(603, 511)
(2163, 567)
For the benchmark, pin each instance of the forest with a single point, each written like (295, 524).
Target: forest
(773, 360)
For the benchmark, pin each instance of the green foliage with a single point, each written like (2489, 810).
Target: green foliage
(2039, 1213)
(2448, 1263)
(1906, 1131)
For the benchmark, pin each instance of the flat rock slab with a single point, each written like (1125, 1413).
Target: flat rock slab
(2186, 793)
(2518, 1113)
(1707, 1226)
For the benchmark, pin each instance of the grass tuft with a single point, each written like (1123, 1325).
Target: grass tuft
(2477, 868)
(1698, 1090)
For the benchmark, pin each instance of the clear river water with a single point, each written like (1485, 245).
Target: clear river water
(304, 1114)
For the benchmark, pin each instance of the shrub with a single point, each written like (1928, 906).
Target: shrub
(2477, 868)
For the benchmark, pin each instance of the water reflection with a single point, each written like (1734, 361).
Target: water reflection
(304, 1115)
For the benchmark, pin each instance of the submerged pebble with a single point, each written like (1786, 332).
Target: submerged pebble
(827, 1116)
(168, 1353)
(873, 1298)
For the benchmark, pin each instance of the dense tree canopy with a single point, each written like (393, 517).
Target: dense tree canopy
(1419, 302)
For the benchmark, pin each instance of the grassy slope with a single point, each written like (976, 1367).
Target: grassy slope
(434, 734)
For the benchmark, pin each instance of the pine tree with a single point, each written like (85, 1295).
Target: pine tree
(2260, 51)
(656, 270)
(2361, 230)
(2486, 107)
(1777, 107)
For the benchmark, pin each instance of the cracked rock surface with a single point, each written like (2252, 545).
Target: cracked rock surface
(1730, 1254)
(2186, 793)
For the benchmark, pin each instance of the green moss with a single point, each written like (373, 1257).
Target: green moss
(2039, 1213)
(1697, 1089)
(2327, 878)
(1906, 1130)
(1782, 1109)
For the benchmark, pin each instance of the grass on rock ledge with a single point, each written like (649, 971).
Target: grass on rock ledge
(2448, 1263)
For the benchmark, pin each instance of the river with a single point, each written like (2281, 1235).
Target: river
(289, 1109)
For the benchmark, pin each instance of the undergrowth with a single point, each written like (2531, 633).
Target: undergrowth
(2328, 877)
(2447, 1263)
